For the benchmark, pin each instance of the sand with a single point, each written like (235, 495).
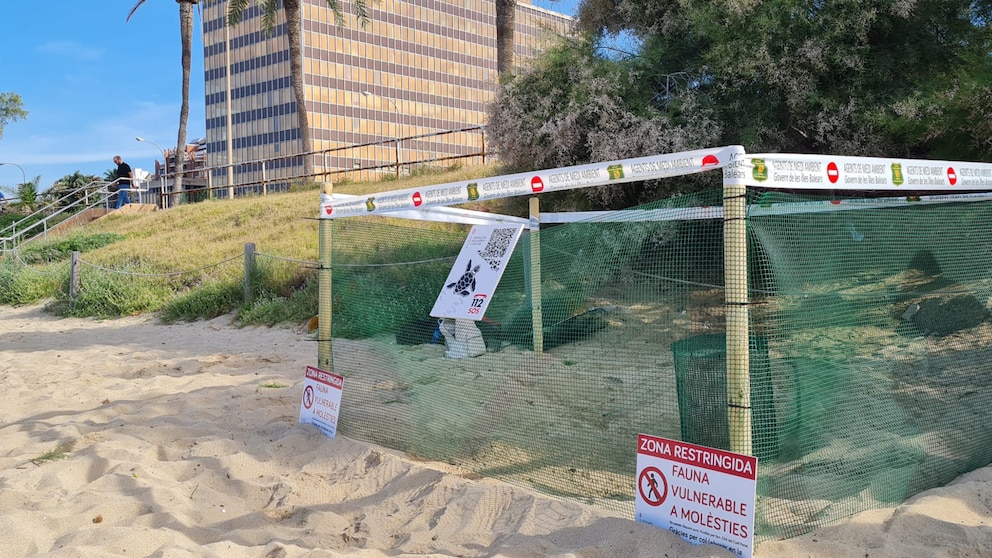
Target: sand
(131, 438)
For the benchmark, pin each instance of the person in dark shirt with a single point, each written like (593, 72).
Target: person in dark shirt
(124, 176)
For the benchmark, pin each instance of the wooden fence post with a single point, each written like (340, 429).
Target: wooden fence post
(537, 317)
(249, 269)
(325, 353)
(75, 267)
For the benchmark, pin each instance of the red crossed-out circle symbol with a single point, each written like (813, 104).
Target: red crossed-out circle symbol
(833, 173)
(653, 486)
(308, 397)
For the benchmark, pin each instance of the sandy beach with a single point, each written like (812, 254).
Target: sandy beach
(132, 438)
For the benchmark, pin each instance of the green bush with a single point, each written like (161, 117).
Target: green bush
(271, 309)
(61, 248)
(20, 284)
(106, 293)
(8, 218)
(207, 301)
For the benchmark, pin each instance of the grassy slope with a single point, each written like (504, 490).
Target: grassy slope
(194, 235)
(155, 246)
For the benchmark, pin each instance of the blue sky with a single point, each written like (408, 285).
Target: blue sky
(92, 82)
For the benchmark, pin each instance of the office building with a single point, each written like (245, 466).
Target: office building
(418, 67)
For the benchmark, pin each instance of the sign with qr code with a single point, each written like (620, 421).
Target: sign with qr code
(473, 279)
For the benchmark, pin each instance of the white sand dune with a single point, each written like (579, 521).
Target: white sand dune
(131, 438)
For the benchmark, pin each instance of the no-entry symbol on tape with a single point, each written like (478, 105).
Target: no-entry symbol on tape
(833, 173)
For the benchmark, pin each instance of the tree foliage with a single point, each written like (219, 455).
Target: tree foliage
(573, 106)
(906, 78)
(27, 194)
(69, 188)
(11, 109)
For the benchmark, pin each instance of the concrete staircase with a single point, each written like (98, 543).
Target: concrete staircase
(82, 218)
(136, 208)
(92, 214)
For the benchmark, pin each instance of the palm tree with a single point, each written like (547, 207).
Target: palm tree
(506, 11)
(186, 36)
(294, 29)
(28, 195)
(68, 189)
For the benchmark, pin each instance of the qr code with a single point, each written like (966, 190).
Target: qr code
(499, 243)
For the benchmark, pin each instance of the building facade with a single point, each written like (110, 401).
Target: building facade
(417, 68)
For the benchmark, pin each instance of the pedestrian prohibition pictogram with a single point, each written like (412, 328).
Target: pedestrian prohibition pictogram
(308, 397)
(653, 486)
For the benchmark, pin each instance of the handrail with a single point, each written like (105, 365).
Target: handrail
(415, 144)
(98, 192)
(91, 195)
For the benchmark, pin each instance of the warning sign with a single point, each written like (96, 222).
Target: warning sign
(704, 495)
(321, 400)
(529, 183)
(863, 173)
(477, 271)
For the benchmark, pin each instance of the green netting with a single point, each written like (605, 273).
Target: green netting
(876, 320)
(868, 338)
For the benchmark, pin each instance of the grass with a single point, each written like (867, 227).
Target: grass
(272, 385)
(61, 451)
(187, 262)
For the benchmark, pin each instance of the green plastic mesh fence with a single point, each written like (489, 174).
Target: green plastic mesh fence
(876, 321)
(868, 336)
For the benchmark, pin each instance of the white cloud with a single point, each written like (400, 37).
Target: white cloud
(71, 49)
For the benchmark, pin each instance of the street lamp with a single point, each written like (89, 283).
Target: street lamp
(165, 165)
(165, 156)
(371, 94)
(24, 177)
(396, 140)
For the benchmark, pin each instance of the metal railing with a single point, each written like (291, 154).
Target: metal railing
(57, 211)
(352, 162)
(371, 160)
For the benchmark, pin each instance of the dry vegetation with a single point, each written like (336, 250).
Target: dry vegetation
(194, 235)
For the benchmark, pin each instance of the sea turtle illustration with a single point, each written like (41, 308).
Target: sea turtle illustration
(465, 285)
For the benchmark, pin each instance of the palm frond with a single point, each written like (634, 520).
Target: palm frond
(270, 9)
(134, 9)
(362, 12)
(335, 7)
(235, 10)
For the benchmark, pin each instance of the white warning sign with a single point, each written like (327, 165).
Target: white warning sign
(704, 495)
(474, 277)
(792, 171)
(321, 400)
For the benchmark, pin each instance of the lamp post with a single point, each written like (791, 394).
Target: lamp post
(24, 177)
(371, 94)
(165, 163)
(396, 140)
